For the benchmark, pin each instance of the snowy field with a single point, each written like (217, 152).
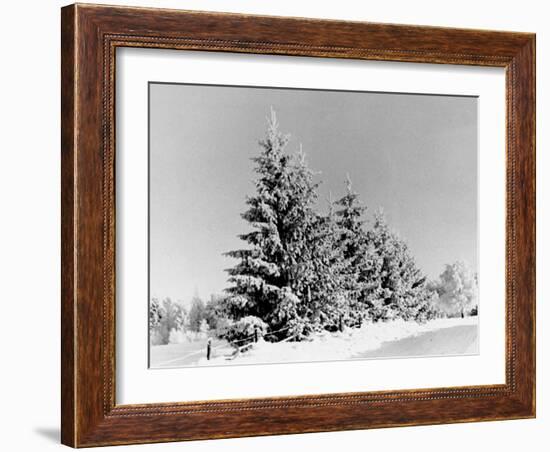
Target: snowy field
(379, 340)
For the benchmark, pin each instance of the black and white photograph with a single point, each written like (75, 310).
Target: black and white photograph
(275, 226)
(300, 225)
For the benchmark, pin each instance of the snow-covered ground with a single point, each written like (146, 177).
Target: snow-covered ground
(363, 342)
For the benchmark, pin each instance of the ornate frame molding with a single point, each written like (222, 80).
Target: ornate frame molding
(90, 37)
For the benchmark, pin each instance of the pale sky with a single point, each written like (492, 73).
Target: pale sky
(413, 155)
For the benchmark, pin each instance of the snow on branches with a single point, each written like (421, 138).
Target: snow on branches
(304, 271)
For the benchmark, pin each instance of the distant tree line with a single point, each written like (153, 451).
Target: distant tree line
(166, 318)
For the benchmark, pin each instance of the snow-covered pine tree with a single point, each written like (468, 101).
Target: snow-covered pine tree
(196, 313)
(326, 279)
(358, 264)
(401, 290)
(302, 223)
(268, 282)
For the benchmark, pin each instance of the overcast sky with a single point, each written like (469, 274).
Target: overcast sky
(413, 155)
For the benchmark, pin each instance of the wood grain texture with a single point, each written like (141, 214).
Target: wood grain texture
(67, 225)
(90, 36)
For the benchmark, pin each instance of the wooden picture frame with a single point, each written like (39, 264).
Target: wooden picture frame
(90, 35)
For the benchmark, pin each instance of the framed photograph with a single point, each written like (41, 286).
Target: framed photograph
(280, 225)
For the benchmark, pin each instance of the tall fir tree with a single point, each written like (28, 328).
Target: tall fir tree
(268, 282)
(401, 290)
(357, 254)
(327, 298)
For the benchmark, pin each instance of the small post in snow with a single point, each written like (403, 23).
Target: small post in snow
(208, 348)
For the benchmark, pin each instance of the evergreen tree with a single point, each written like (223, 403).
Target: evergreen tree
(196, 314)
(325, 275)
(215, 313)
(401, 290)
(268, 282)
(358, 265)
